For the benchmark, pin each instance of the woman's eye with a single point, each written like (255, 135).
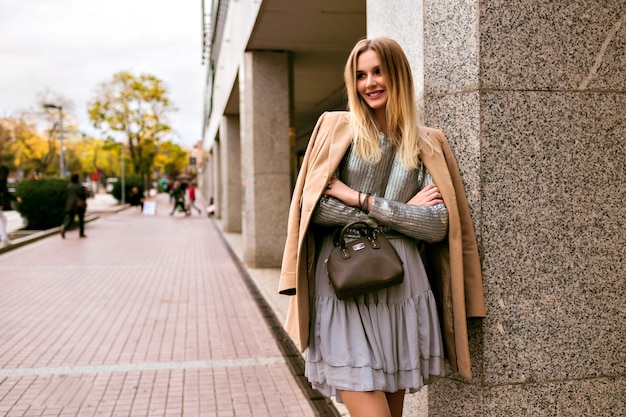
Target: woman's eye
(360, 76)
(378, 71)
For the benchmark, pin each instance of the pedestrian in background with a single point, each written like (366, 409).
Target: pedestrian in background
(210, 210)
(191, 193)
(136, 199)
(6, 199)
(178, 195)
(75, 205)
(376, 164)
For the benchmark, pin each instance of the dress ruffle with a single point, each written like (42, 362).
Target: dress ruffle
(388, 340)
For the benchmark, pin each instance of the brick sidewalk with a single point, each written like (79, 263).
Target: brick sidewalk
(148, 316)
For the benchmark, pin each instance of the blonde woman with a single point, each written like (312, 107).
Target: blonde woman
(377, 164)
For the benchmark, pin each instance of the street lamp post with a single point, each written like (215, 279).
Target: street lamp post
(62, 159)
(123, 174)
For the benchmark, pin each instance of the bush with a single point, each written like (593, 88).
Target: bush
(43, 202)
(129, 183)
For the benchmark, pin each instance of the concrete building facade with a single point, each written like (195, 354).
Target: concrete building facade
(532, 97)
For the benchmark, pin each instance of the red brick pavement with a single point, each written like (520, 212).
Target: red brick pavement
(148, 316)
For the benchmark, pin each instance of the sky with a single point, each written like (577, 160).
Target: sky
(70, 47)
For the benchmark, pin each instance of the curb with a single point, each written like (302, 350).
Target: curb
(38, 235)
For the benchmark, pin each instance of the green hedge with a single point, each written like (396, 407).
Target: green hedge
(129, 183)
(43, 202)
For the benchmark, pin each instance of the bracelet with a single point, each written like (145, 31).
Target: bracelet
(359, 200)
(366, 203)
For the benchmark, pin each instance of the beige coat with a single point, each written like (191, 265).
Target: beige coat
(453, 264)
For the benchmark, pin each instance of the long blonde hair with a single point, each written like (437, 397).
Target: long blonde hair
(401, 111)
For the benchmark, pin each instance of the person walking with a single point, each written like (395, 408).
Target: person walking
(191, 193)
(136, 198)
(375, 163)
(75, 205)
(6, 200)
(178, 195)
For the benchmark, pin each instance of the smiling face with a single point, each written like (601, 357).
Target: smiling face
(370, 82)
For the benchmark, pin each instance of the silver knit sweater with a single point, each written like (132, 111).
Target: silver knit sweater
(389, 213)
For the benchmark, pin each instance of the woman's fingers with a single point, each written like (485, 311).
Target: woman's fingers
(428, 196)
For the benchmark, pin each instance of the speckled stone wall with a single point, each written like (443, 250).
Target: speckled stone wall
(265, 156)
(532, 97)
(404, 30)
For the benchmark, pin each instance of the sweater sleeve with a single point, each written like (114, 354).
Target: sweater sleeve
(426, 223)
(333, 212)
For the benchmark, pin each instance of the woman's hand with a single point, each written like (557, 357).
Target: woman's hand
(428, 196)
(338, 189)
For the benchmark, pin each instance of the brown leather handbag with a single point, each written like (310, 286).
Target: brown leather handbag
(366, 264)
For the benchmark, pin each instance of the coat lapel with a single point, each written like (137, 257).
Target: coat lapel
(341, 140)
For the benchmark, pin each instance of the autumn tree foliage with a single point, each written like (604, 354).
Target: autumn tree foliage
(26, 147)
(171, 160)
(127, 108)
(133, 109)
(7, 141)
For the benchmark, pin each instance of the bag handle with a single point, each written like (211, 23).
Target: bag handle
(366, 230)
(370, 232)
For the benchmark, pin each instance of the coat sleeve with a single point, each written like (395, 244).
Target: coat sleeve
(289, 265)
(474, 295)
(453, 265)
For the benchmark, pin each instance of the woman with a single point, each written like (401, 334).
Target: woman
(6, 198)
(375, 163)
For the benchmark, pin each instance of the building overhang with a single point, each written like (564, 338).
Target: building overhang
(319, 35)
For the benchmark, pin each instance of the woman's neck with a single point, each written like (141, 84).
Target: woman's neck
(381, 120)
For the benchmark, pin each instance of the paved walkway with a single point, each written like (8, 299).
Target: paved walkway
(148, 316)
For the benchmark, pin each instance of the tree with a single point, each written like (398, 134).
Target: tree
(34, 152)
(171, 160)
(24, 149)
(134, 109)
(91, 154)
(7, 141)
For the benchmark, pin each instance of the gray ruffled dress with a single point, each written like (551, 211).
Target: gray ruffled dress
(388, 340)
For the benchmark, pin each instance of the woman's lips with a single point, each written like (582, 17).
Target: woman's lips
(375, 93)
